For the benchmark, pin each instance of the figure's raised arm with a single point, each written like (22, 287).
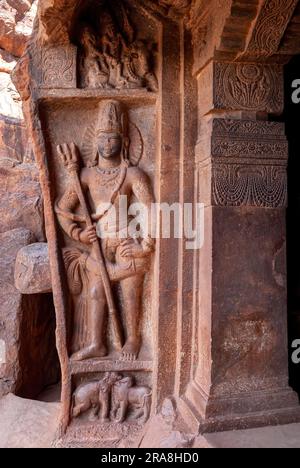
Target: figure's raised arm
(67, 205)
(142, 189)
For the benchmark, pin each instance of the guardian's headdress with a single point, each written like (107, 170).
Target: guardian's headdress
(113, 118)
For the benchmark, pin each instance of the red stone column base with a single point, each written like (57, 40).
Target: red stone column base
(206, 413)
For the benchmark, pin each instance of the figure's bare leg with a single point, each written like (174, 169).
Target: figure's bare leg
(132, 289)
(96, 322)
(94, 413)
(80, 408)
(123, 411)
(104, 411)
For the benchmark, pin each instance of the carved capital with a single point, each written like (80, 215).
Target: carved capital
(245, 162)
(250, 87)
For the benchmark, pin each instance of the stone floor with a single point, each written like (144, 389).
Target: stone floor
(266, 437)
(33, 424)
(27, 423)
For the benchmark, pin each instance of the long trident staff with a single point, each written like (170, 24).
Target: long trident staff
(69, 156)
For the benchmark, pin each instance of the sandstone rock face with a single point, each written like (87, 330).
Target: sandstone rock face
(14, 147)
(11, 308)
(16, 21)
(28, 359)
(21, 202)
(26, 327)
(32, 271)
(9, 98)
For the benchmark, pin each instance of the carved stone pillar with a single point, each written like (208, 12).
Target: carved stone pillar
(242, 373)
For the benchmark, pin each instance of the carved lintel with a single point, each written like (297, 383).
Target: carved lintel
(270, 27)
(246, 163)
(241, 86)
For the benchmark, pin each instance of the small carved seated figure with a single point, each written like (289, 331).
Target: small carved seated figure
(94, 71)
(95, 395)
(137, 67)
(126, 396)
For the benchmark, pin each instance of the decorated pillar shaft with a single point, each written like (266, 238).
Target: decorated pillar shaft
(242, 373)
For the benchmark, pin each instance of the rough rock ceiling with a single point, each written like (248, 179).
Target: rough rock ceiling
(230, 30)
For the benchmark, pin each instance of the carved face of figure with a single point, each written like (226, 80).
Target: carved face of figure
(107, 26)
(87, 38)
(109, 145)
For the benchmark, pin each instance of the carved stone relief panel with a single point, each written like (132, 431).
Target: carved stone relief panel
(111, 48)
(113, 397)
(247, 161)
(105, 125)
(270, 26)
(58, 68)
(112, 55)
(245, 86)
(126, 260)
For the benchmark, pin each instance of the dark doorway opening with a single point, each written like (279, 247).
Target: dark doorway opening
(38, 359)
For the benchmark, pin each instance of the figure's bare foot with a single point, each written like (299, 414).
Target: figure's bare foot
(130, 350)
(104, 420)
(90, 352)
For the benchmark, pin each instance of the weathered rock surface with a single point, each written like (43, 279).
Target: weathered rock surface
(9, 98)
(14, 147)
(32, 271)
(16, 21)
(27, 423)
(21, 202)
(27, 323)
(10, 308)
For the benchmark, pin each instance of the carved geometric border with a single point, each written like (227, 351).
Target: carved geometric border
(247, 163)
(240, 185)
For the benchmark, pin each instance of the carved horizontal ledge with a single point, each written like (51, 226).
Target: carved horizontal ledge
(57, 94)
(241, 161)
(106, 365)
(100, 435)
(242, 141)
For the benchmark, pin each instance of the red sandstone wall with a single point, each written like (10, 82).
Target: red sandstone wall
(26, 322)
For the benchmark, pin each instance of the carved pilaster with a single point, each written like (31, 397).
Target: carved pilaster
(242, 374)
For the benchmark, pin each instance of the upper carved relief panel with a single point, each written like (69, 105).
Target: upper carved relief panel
(95, 44)
(112, 54)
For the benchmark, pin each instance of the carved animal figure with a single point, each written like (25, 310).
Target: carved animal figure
(95, 395)
(126, 396)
